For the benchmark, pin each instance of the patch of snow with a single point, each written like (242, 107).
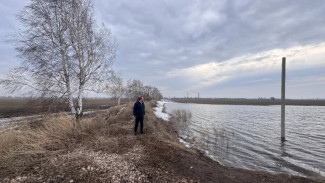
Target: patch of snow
(160, 114)
(159, 111)
(184, 142)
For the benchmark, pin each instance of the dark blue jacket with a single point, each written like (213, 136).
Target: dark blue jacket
(139, 109)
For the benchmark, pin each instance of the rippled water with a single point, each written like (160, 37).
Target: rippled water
(249, 136)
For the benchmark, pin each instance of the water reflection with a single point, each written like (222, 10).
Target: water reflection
(249, 136)
(283, 149)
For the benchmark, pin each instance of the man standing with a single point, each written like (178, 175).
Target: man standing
(138, 113)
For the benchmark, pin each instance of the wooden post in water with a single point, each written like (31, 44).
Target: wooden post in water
(283, 85)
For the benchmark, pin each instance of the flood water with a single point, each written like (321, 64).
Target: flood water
(249, 136)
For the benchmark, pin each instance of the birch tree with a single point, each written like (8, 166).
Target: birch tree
(63, 53)
(116, 88)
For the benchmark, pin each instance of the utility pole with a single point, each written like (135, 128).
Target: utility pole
(283, 78)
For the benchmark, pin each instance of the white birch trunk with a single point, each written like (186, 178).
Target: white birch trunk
(70, 96)
(71, 105)
(68, 84)
(80, 96)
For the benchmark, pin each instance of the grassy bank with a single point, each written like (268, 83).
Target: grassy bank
(229, 101)
(104, 149)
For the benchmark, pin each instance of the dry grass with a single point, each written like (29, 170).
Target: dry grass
(28, 144)
(31, 146)
(163, 130)
(50, 134)
(181, 118)
(57, 133)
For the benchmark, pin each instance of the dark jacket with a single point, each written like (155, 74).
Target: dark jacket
(139, 109)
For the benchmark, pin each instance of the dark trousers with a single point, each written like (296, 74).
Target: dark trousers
(137, 120)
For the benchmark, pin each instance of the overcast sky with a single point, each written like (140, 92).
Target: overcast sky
(217, 48)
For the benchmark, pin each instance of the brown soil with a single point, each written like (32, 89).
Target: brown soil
(104, 149)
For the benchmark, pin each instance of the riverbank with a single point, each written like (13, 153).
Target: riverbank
(104, 149)
(229, 101)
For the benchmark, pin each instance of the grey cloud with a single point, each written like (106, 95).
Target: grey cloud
(156, 37)
(243, 28)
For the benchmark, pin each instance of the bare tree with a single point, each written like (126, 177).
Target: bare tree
(146, 92)
(116, 88)
(135, 89)
(155, 94)
(63, 53)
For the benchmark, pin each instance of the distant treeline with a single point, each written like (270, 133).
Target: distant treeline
(136, 88)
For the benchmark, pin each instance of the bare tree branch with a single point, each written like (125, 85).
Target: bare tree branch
(62, 51)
